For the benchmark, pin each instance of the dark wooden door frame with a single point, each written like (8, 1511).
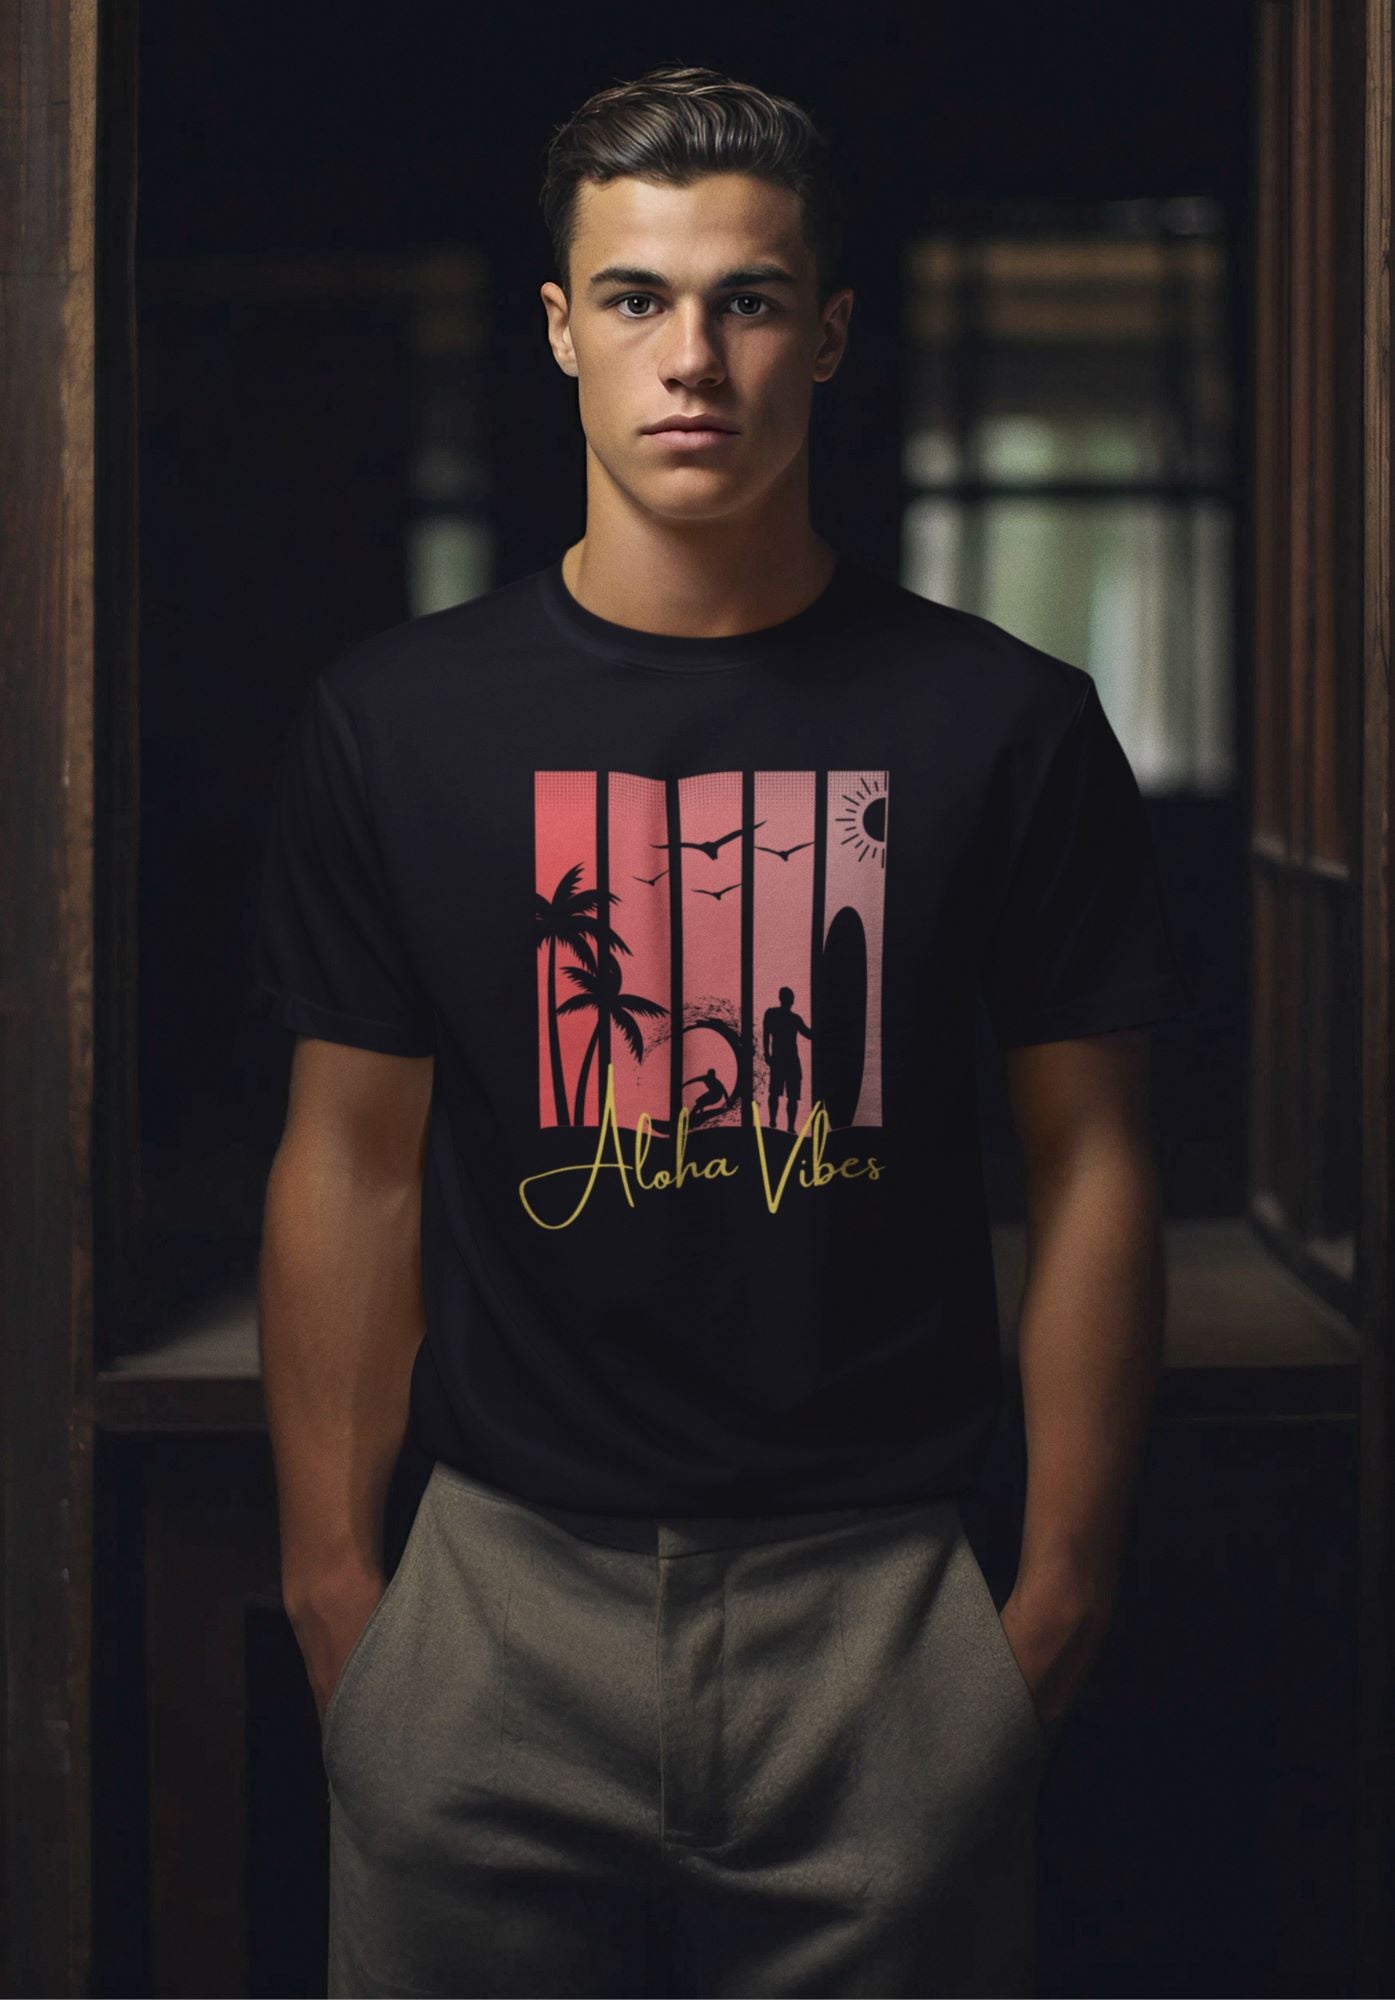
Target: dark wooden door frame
(67, 724)
(1376, 1668)
(48, 619)
(1322, 604)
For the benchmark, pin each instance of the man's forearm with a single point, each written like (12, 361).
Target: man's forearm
(1089, 1346)
(339, 1308)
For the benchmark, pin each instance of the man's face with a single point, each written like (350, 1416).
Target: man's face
(711, 309)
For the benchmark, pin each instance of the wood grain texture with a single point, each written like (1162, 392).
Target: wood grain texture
(48, 137)
(1307, 723)
(1376, 1655)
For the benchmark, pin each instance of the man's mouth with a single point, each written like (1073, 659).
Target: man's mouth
(687, 438)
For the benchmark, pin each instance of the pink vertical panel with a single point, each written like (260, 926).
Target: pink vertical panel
(855, 878)
(783, 923)
(564, 839)
(641, 882)
(709, 810)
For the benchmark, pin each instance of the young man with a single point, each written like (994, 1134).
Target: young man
(632, 921)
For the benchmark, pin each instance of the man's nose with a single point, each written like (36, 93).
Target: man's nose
(693, 349)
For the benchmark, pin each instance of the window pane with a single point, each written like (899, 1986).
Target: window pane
(1050, 364)
(1060, 357)
(1135, 591)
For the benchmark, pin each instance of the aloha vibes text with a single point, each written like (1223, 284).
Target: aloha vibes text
(814, 1171)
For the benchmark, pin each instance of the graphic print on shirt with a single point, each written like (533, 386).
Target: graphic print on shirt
(709, 954)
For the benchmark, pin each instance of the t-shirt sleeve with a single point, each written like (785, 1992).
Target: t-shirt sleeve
(1082, 942)
(328, 957)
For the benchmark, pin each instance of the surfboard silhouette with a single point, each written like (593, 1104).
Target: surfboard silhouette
(840, 1025)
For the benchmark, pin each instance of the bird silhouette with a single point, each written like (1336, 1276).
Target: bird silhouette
(718, 893)
(783, 852)
(651, 879)
(709, 847)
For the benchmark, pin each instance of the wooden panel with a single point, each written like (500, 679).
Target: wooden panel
(1326, 832)
(1298, 414)
(1322, 1003)
(1271, 160)
(116, 773)
(48, 135)
(1376, 1664)
(1304, 1182)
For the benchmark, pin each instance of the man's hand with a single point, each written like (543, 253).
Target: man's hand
(327, 1628)
(1056, 1634)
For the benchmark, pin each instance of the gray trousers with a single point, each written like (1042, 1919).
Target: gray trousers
(791, 1755)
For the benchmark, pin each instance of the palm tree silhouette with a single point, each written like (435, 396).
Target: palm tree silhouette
(600, 993)
(569, 919)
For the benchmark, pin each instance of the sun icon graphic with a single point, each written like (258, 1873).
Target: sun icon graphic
(863, 816)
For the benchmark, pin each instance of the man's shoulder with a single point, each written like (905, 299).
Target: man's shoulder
(396, 659)
(983, 660)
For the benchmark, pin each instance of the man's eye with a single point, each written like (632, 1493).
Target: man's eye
(627, 299)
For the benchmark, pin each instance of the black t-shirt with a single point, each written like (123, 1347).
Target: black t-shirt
(695, 930)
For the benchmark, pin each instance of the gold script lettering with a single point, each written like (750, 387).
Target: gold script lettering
(816, 1172)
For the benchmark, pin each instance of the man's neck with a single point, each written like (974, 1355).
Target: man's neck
(682, 590)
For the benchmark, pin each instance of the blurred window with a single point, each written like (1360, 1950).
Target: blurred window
(1068, 459)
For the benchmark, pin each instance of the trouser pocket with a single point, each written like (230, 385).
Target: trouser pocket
(991, 1629)
(358, 1656)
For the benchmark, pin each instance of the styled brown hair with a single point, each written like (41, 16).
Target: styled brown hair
(675, 124)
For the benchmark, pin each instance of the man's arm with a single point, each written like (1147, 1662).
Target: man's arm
(340, 1320)
(1089, 1340)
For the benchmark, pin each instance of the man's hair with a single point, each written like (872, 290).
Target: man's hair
(674, 124)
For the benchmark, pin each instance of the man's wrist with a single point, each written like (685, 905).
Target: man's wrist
(1075, 1582)
(314, 1588)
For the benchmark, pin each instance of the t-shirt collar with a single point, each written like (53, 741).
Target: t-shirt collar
(680, 652)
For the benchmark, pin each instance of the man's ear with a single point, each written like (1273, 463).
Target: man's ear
(834, 343)
(559, 333)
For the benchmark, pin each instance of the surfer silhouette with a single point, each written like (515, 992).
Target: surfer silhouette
(783, 1027)
(714, 1094)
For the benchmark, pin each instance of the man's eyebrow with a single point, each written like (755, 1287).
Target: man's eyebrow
(746, 274)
